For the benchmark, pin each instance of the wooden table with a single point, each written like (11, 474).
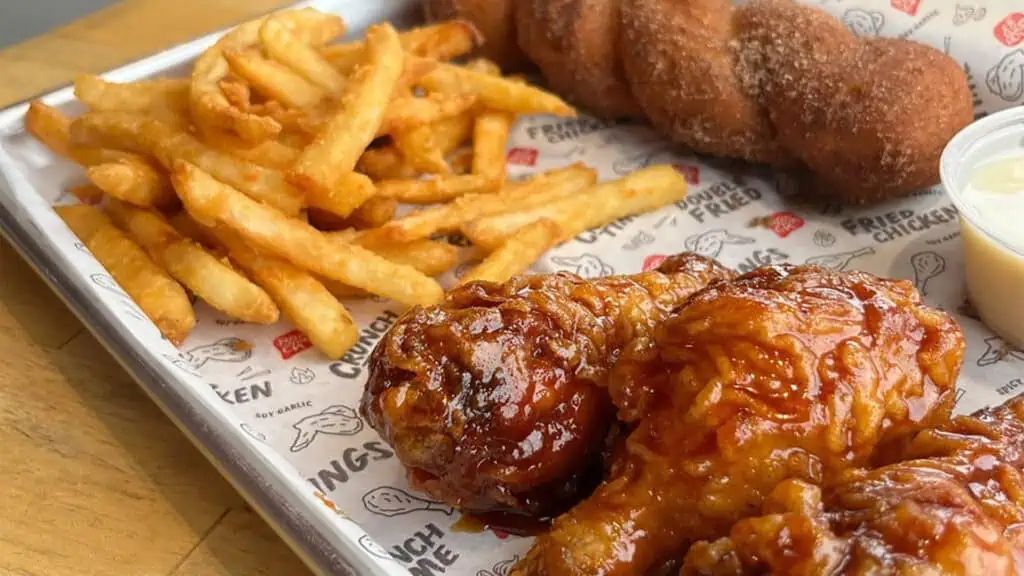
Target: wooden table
(95, 480)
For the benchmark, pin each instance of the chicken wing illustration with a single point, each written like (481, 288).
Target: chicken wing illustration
(864, 23)
(1006, 78)
(390, 501)
(839, 261)
(230, 349)
(711, 243)
(998, 349)
(926, 265)
(338, 420)
(585, 265)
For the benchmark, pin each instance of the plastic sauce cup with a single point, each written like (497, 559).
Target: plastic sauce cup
(982, 170)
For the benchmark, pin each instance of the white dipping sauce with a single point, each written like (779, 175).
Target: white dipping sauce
(982, 170)
(993, 243)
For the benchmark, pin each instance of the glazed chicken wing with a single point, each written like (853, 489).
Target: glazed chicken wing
(785, 372)
(491, 399)
(956, 507)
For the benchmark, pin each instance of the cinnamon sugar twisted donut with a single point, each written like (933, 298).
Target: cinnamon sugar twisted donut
(575, 43)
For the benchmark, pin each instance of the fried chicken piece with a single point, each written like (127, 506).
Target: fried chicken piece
(784, 372)
(869, 117)
(955, 507)
(491, 400)
(575, 43)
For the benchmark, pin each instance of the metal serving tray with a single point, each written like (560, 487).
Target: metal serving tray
(32, 179)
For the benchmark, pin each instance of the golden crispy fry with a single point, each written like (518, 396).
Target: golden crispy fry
(237, 92)
(442, 41)
(407, 112)
(165, 99)
(442, 188)
(461, 161)
(428, 256)
(495, 92)
(87, 194)
(52, 127)
(641, 191)
(302, 298)
(535, 191)
(516, 254)
(273, 79)
(137, 133)
(385, 163)
(209, 106)
(424, 148)
(346, 194)
(373, 213)
(269, 153)
(490, 136)
(135, 182)
(211, 202)
(283, 47)
(337, 148)
(209, 278)
(161, 298)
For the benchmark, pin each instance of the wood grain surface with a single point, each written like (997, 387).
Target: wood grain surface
(96, 480)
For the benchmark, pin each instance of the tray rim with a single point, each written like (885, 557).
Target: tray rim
(304, 524)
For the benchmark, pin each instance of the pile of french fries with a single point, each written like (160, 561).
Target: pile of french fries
(267, 183)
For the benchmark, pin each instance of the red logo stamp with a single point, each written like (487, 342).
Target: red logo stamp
(653, 261)
(784, 223)
(522, 156)
(291, 343)
(690, 172)
(908, 6)
(1010, 30)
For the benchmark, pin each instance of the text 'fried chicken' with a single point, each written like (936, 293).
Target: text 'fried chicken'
(784, 372)
(955, 507)
(492, 399)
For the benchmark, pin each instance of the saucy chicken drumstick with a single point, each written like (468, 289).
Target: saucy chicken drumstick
(492, 399)
(956, 507)
(784, 372)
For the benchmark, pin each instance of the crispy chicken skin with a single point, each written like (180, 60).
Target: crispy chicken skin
(956, 507)
(784, 372)
(491, 400)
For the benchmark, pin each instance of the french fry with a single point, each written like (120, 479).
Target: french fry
(538, 190)
(135, 182)
(237, 93)
(207, 277)
(269, 153)
(209, 106)
(442, 41)
(494, 92)
(374, 213)
(424, 148)
(442, 188)
(346, 194)
(516, 254)
(302, 298)
(283, 47)
(385, 163)
(338, 147)
(52, 127)
(166, 99)
(87, 194)
(461, 161)
(161, 298)
(407, 112)
(211, 202)
(137, 133)
(641, 191)
(428, 256)
(273, 79)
